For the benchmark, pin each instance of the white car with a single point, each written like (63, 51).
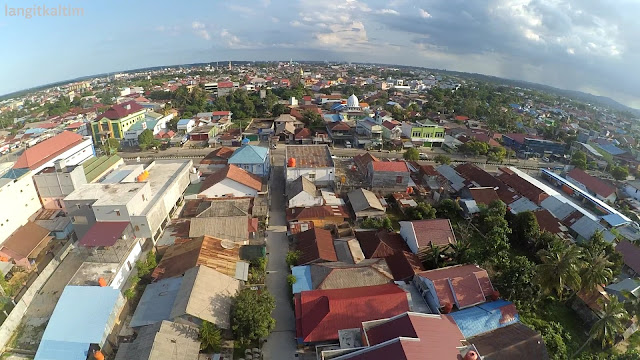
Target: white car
(423, 156)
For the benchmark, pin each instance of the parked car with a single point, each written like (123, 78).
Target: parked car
(424, 156)
(545, 159)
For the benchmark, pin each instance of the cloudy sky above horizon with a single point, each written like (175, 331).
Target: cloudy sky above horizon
(586, 45)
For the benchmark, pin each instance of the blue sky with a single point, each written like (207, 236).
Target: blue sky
(586, 45)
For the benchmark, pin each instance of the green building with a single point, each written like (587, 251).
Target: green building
(424, 132)
(114, 122)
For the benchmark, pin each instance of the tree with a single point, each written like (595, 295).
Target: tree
(525, 229)
(292, 258)
(442, 159)
(554, 335)
(421, 211)
(619, 172)
(173, 124)
(515, 279)
(279, 109)
(579, 160)
(311, 119)
(496, 154)
(559, 269)
(146, 139)
(612, 322)
(474, 147)
(597, 270)
(448, 209)
(435, 257)
(251, 315)
(210, 337)
(111, 146)
(411, 154)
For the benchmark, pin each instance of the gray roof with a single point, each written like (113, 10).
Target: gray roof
(206, 294)
(226, 207)
(56, 224)
(362, 199)
(560, 210)
(156, 302)
(628, 284)
(5, 267)
(339, 275)
(457, 181)
(299, 185)
(521, 205)
(348, 250)
(586, 227)
(162, 341)
(234, 228)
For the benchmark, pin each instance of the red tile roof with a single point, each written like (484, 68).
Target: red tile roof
(436, 335)
(462, 118)
(484, 195)
(234, 173)
(630, 254)
(119, 111)
(465, 285)
(219, 153)
(317, 212)
(403, 264)
(321, 313)
(519, 138)
(547, 221)
(592, 183)
(380, 243)
(75, 125)
(435, 231)
(103, 234)
(473, 174)
(220, 113)
(225, 84)
(390, 166)
(45, 151)
(302, 133)
(339, 126)
(315, 245)
(522, 186)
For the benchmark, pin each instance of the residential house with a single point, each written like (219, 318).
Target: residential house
(391, 247)
(156, 302)
(231, 181)
(461, 286)
(320, 216)
(625, 290)
(424, 133)
(365, 204)
(315, 245)
(232, 228)
(547, 222)
(320, 314)
(486, 317)
(204, 133)
(82, 321)
(254, 159)
(186, 125)
(160, 341)
(388, 174)
(303, 136)
(521, 185)
(630, 256)
(391, 130)
(153, 121)
(215, 160)
(59, 226)
(456, 182)
(513, 342)
(70, 148)
(592, 184)
(311, 161)
(420, 235)
(632, 188)
(114, 122)
(19, 194)
(303, 193)
(340, 275)
(362, 162)
(370, 129)
(340, 132)
(220, 255)
(23, 247)
(283, 119)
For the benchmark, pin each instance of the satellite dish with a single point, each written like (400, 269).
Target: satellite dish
(227, 244)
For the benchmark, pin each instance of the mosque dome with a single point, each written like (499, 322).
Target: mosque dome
(353, 102)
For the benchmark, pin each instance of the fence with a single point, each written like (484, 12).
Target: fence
(9, 326)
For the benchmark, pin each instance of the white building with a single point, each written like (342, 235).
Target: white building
(311, 161)
(19, 200)
(70, 147)
(231, 181)
(186, 125)
(303, 193)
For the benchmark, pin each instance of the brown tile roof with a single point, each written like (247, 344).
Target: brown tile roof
(317, 212)
(222, 153)
(428, 170)
(477, 176)
(41, 153)
(592, 183)
(435, 231)
(362, 161)
(26, 239)
(119, 111)
(522, 186)
(404, 264)
(547, 221)
(315, 245)
(340, 275)
(234, 173)
(302, 133)
(380, 243)
(512, 342)
(465, 285)
(484, 195)
(310, 156)
(339, 126)
(630, 254)
(207, 251)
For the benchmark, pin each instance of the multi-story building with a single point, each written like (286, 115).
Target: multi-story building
(54, 183)
(311, 161)
(20, 201)
(72, 148)
(424, 132)
(114, 122)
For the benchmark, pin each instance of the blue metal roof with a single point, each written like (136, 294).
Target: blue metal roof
(612, 149)
(333, 117)
(15, 173)
(184, 121)
(156, 302)
(614, 220)
(303, 279)
(81, 317)
(483, 318)
(35, 131)
(249, 154)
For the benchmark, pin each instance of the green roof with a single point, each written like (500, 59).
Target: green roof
(193, 189)
(98, 165)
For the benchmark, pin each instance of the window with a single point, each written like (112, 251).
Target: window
(311, 176)
(398, 179)
(129, 265)
(416, 134)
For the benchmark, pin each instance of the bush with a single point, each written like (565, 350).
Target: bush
(291, 279)
(292, 258)
(130, 293)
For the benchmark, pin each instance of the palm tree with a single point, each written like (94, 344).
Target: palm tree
(435, 257)
(597, 270)
(559, 269)
(210, 337)
(612, 322)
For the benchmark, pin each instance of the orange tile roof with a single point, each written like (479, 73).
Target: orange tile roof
(234, 173)
(41, 153)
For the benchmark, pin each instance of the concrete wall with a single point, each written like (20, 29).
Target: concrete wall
(304, 199)
(59, 184)
(228, 186)
(126, 267)
(19, 201)
(74, 156)
(81, 214)
(389, 179)
(323, 176)
(15, 317)
(409, 236)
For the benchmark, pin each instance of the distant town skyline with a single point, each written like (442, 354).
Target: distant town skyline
(577, 45)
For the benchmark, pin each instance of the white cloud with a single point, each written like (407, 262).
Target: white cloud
(275, 20)
(295, 23)
(424, 14)
(387, 12)
(200, 30)
(571, 51)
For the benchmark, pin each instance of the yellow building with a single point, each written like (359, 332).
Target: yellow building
(115, 121)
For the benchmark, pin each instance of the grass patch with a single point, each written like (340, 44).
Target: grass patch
(395, 215)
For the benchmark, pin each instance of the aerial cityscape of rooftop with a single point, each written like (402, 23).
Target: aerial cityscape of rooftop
(337, 180)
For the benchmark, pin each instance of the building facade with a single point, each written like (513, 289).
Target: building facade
(425, 132)
(114, 122)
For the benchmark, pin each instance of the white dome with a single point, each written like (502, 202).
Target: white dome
(352, 101)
